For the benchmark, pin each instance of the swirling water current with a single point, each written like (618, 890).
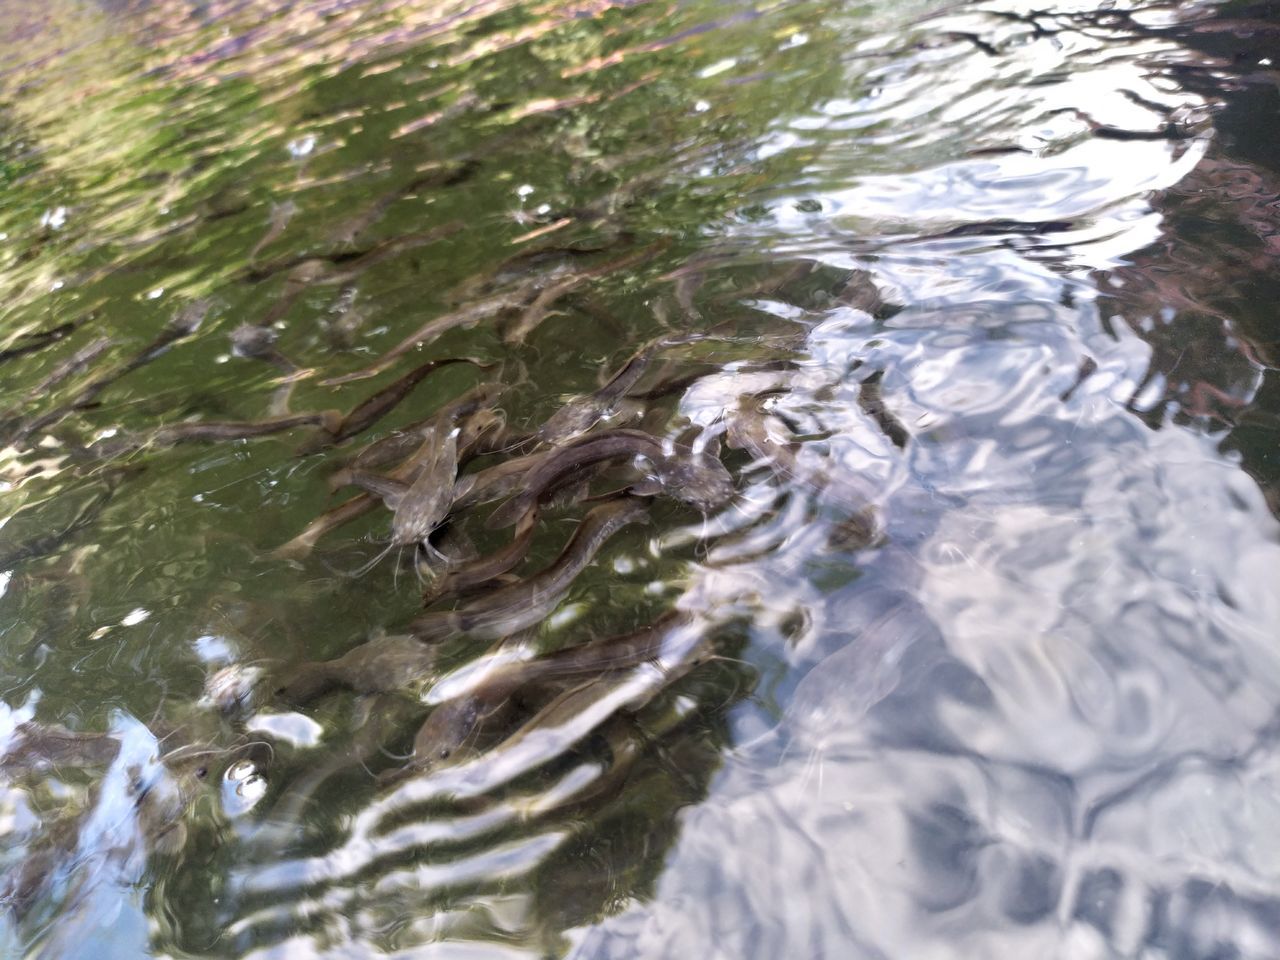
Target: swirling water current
(975, 302)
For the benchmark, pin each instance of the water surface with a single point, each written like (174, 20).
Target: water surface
(985, 640)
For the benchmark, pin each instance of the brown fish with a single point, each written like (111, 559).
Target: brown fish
(382, 665)
(582, 413)
(345, 512)
(533, 315)
(523, 604)
(495, 482)
(377, 719)
(674, 646)
(871, 400)
(37, 341)
(374, 408)
(697, 479)
(185, 323)
(426, 503)
(351, 262)
(259, 343)
(11, 418)
(767, 438)
(281, 214)
(422, 504)
(480, 572)
(439, 175)
(463, 318)
(454, 730)
(397, 446)
(36, 746)
(45, 543)
(205, 431)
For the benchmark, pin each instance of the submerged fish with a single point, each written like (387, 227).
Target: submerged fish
(259, 343)
(422, 504)
(537, 311)
(582, 413)
(767, 439)
(462, 318)
(673, 646)
(455, 729)
(209, 431)
(698, 479)
(479, 572)
(398, 445)
(528, 602)
(344, 513)
(281, 214)
(182, 325)
(67, 368)
(381, 665)
(40, 747)
(374, 408)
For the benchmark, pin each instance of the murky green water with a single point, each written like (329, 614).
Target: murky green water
(976, 306)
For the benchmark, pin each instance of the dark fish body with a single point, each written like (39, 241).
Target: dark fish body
(382, 665)
(377, 718)
(441, 176)
(480, 572)
(183, 325)
(494, 483)
(612, 653)
(10, 419)
(533, 315)
(581, 414)
(425, 504)
(281, 214)
(241, 429)
(45, 544)
(767, 439)
(871, 400)
(37, 341)
(37, 746)
(207, 431)
(463, 318)
(370, 411)
(345, 512)
(454, 730)
(259, 343)
(351, 262)
(528, 602)
(186, 323)
(70, 367)
(697, 479)
(567, 460)
(397, 446)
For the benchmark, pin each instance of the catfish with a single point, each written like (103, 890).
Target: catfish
(527, 602)
(374, 408)
(697, 479)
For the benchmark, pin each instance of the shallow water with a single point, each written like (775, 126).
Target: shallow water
(975, 305)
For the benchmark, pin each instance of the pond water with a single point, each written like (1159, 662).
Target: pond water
(900, 579)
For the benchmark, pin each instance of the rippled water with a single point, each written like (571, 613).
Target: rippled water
(977, 306)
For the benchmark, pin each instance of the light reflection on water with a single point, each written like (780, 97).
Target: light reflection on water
(980, 659)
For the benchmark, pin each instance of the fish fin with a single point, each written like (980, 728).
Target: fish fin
(388, 490)
(508, 513)
(648, 487)
(340, 478)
